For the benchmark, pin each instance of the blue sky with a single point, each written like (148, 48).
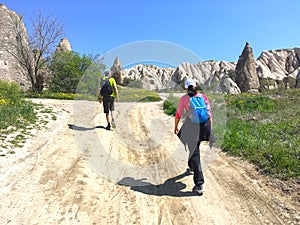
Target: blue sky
(211, 29)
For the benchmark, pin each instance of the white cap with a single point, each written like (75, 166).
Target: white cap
(189, 82)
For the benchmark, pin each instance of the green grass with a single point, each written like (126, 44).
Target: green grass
(264, 129)
(261, 128)
(17, 115)
(126, 94)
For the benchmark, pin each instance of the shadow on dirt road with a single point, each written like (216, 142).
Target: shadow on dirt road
(171, 187)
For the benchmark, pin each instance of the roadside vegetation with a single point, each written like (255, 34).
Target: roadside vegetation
(261, 128)
(127, 94)
(17, 117)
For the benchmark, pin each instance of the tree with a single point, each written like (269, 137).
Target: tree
(67, 68)
(33, 52)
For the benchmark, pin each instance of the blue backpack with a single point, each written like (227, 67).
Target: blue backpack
(198, 111)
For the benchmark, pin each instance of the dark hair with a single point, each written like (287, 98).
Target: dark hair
(191, 91)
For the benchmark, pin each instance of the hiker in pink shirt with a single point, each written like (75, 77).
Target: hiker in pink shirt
(191, 133)
(184, 105)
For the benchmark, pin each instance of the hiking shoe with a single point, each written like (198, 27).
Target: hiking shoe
(199, 189)
(113, 123)
(189, 171)
(108, 127)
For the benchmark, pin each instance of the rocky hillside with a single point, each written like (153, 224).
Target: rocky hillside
(272, 69)
(9, 68)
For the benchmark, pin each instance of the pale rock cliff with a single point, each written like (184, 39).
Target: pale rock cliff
(271, 70)
(277, 64)
(10, 69)
(227, 85)
(153, 77)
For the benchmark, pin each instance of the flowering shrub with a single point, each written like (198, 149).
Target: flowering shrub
(14, 109)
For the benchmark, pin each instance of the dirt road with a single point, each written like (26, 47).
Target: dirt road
(75, 172)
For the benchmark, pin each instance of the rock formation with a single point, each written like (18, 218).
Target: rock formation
(205, 73)
(273, 69)
(278, 65)
(152, 77)
(227, 85)
(117, 70)
(64, 46)
(10, 69)
(245, 71)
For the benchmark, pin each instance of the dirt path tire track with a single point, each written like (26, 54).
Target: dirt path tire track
(50, 182)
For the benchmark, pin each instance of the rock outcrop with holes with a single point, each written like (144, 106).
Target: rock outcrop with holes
(10, 69)
(273, 69)
(281, 67)
(152, 77)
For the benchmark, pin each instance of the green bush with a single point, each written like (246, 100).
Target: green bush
(15, 111)
(170, 105)
(251, 102)
(67, 69)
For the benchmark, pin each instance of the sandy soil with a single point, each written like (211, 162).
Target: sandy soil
(75, 172)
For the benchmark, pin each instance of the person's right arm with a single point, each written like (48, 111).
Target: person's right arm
(99, 97)
(178, 114)
(176, 125)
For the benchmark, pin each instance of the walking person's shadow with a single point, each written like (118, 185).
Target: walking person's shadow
(171, 187)
(80, 128)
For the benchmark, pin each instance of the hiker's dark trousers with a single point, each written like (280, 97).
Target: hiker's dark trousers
(192, 134)
(194, 163)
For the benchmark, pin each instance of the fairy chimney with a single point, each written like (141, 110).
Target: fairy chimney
(245, 71)
(116, 70)
(64, 46)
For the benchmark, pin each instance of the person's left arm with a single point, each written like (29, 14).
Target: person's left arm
(178, 113)
(208, 107)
